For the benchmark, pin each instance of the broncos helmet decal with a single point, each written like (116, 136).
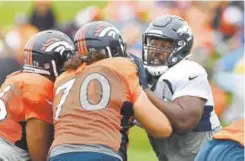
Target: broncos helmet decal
(100, 36)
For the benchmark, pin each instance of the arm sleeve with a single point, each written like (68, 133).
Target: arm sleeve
(198, 87)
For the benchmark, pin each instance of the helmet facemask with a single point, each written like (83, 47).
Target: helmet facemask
(157, 56)
(159, 59)
(156, 53)
(116, 48)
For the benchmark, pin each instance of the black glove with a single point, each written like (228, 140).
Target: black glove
(142, 73)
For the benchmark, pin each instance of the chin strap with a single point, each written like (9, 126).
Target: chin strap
(156, 70)
(33, 69)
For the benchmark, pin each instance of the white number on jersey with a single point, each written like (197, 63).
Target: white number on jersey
(66, 87)
(3, 110)
(106, 92)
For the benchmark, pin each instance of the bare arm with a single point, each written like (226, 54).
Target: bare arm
(184, 112)
(153, 120)
(39, 135)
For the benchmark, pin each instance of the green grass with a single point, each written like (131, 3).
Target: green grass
(139, 148)
(65, 10)
(68, 9)
(9, 9)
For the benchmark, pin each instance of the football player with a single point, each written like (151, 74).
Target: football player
(26, 96)
(180, 89)
(96, 98)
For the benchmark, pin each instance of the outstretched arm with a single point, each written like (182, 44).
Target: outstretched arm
(153, 120)
(184, 112)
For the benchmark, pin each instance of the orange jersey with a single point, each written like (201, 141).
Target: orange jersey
(234, 132)
(94, 104)
(24, 96)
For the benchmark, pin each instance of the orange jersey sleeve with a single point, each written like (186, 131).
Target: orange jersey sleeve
(37, 98)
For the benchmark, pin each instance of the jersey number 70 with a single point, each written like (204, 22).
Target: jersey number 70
(83, 93)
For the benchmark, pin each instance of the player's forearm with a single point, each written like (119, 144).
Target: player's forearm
(41, 134)
(37, 153)
(154, 122)
(174, 112)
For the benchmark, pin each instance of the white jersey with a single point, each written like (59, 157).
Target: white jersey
(188, 78)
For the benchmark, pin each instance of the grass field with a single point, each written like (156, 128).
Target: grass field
(139, 148)
(65, 10)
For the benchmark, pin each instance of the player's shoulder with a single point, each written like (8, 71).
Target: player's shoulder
(119, 65)
(115, 61)
(64, 77)
(34, 83)
(33, 79)
(188, 67)
(27, 79)
(189, 64)
(12, 78)
(184, 70)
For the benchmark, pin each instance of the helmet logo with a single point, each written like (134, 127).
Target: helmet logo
(47, 66)
(185, 30)
(181, 42)
(57, 46)
(174, 59)
(109, 31)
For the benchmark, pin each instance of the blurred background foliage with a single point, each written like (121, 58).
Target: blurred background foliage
(66, 10)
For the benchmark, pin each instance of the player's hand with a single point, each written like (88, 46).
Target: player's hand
(141, 71)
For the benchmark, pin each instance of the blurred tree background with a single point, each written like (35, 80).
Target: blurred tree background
(66, 10)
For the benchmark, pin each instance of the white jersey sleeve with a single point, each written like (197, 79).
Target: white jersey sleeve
(192, 82)
(188, 78)
(184, 79)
